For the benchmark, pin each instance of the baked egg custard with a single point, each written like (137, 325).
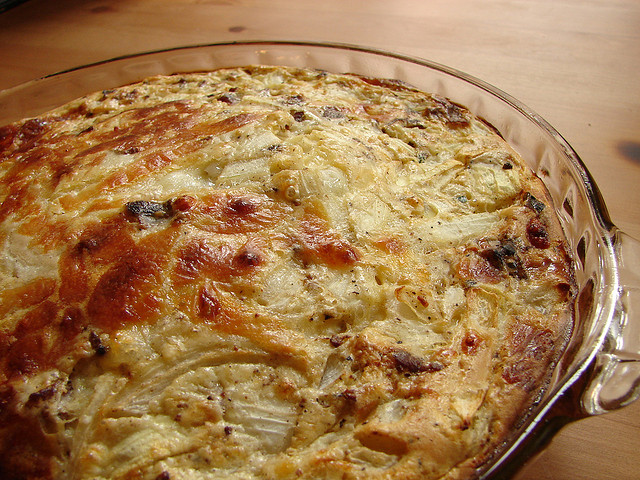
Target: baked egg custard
(270, 273)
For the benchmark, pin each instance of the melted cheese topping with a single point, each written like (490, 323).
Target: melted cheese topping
(269, 273)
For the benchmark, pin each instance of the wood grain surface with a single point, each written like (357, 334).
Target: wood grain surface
(575, 62)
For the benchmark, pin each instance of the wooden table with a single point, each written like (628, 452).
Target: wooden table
(575, 62)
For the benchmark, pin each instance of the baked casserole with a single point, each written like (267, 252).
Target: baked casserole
(270, 273)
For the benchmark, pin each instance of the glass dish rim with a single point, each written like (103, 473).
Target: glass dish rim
(596, 204)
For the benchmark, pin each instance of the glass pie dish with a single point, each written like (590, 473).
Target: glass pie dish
(599, 370)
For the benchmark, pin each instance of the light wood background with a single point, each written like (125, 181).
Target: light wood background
(575, 62)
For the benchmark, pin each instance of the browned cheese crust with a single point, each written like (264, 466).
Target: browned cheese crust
(269, 273)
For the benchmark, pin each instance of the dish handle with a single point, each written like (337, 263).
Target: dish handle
(615, 380)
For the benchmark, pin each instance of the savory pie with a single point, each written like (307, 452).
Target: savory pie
(270, 273)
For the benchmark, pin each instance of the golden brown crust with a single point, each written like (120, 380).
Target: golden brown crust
(270, 273)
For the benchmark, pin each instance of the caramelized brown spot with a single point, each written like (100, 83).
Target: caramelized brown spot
(391, 84)
(453, 114)
(241, 206)
(183, 203)
(23, 356)
(537, 233)
(208, 304)
(42, 395)
(232, 213)
(47, 232)
(391, 245)
(222, 262)
(7, 134)
(143, 128)
(17, 197)
(246, 259)
(194, 258)
(228, 98)
(384, 114)
(98, 245)
(476, 268)
(530, 346)
(408, 362)
(320, 244)
(104, 242)
(27, 349)
(75, 277)
(564, 290)
(125, 292)
(26, 296)
(71, 324)
(40, 338)
(32, 130)
(229, 124)
(26, 450)
(81, 110)
(471, 342)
